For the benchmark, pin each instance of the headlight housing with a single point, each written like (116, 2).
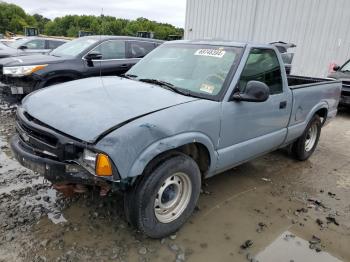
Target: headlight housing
(89, 158)
(22, 70)
(98, 163)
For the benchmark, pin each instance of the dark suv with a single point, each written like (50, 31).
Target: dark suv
(80, 58)
(343, 73)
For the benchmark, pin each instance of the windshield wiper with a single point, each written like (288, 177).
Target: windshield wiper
(128, 76)
(168, 85)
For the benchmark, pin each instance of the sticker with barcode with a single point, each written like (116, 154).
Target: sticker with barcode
(210, 52)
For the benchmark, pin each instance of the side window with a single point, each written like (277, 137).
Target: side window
(111, 49)
(140, 49)
(36, 44)
(54, 44)
(262, 65)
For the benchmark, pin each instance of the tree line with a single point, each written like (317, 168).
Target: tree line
(13, 19)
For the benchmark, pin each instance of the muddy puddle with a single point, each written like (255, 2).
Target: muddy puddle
(289, 246)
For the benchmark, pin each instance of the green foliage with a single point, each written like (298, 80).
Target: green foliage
(107, 25)
(14, 19)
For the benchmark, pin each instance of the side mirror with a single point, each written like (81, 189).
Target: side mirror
(255, 91)
(336, 68)
(22, 47)
(93, 56)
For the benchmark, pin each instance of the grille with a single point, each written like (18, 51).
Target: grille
(45, 142)
(45, 138)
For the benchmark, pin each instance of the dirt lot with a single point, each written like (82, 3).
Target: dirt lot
(270, 209)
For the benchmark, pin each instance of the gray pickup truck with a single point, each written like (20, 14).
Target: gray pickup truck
(185, 112)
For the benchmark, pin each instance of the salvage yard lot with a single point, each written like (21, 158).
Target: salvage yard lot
(261, 201)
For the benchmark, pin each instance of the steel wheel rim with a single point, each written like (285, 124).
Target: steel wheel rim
(173, 197)
(311, 137)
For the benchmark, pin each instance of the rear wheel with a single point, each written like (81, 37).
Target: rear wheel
(304, 147)
(162, 201)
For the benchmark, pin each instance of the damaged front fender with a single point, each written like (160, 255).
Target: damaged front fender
(171, 143)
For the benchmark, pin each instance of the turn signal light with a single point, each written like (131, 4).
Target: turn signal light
(103, 165)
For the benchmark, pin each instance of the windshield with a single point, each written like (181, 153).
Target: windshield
(74, 47)
(17, 43)
(198, 69)
(346, 67)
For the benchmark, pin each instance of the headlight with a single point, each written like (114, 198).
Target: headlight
(89, 158)
(22, 70)
(99, 163)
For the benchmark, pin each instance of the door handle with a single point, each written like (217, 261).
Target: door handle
(283, 104)
(124, 66)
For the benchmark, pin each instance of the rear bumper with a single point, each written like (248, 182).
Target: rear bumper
(54, 171)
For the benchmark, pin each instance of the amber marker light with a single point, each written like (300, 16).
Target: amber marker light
(103, 165)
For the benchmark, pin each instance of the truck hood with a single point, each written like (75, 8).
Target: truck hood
(31, 60)
(87, 108)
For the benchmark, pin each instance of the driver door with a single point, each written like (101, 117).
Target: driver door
(250, 129)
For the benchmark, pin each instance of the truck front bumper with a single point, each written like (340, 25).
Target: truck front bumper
(54, 171)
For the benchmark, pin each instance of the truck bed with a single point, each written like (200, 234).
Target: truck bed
(310, 94)
(295, 82)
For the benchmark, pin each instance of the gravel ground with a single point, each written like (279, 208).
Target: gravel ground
(249, 213)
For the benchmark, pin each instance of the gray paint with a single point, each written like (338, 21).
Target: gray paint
(233, 132)
(320, 28)
(97, 104)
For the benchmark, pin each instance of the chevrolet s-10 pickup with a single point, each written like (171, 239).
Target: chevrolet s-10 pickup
(187, 111)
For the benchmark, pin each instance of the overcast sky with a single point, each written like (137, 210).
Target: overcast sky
(169, 11)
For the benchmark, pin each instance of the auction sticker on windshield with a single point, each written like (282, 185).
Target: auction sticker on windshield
(210, 52)
(207, 88)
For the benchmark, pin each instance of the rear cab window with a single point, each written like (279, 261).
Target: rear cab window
(262, 65)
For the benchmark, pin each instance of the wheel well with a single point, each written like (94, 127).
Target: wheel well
(322, 113)
(59, 79)
(197, 151)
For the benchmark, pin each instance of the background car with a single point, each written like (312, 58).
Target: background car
(343, 73)
(83, 57)
(29, 46)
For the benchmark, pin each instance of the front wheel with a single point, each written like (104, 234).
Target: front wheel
(307, 143)
(163, 200)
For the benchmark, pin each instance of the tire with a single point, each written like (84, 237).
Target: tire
(304, 147)
(164, 198)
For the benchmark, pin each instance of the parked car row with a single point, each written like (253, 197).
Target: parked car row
(83, 57)
(187, 111)
(29, 46)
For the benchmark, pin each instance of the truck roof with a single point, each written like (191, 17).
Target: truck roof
(221, 42)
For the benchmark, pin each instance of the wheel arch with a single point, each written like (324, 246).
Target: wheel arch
(61, 78)
(320, 109)
(196, 145)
